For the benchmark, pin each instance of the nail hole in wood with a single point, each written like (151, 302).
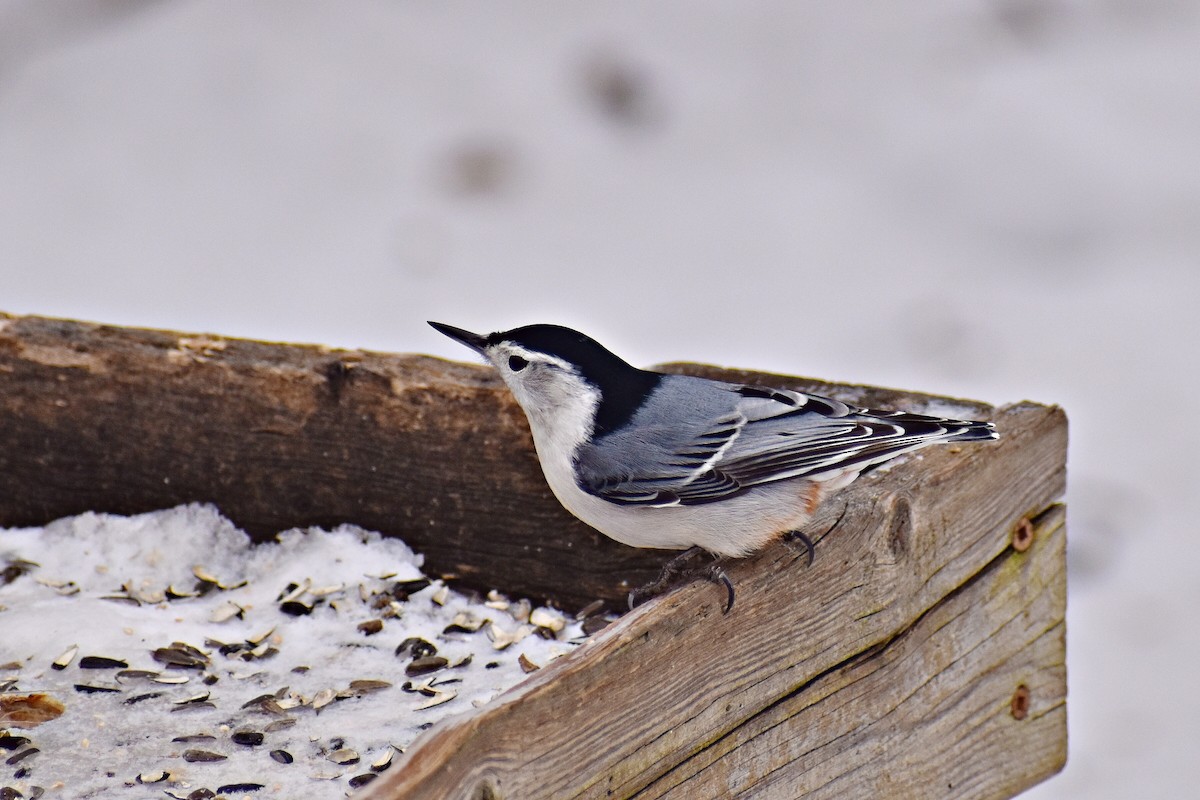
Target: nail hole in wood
(1020, 702)
(1022, 536)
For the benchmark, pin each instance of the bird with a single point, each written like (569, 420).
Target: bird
(678, 462)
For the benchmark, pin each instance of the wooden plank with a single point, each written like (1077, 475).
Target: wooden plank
(676, 691)
(101, 418)
(926, 714)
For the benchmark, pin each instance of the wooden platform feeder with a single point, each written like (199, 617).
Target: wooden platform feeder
(921, 656)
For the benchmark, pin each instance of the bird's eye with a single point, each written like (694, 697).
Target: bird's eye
(516, 363)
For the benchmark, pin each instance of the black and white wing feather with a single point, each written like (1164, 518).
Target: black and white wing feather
(746, 436)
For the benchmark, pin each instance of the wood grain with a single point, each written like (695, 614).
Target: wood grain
(926, 714)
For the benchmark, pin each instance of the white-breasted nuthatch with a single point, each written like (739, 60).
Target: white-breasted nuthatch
(678, 462)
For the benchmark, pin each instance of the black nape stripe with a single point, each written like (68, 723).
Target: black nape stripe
(623, 388)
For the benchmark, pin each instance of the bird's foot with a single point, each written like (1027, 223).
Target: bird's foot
(678, 571)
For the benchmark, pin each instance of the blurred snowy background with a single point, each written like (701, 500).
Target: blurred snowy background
(998, 199)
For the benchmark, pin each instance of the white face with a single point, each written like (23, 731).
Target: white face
(560, 405)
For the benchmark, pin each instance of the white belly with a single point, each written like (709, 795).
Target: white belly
(734, 527)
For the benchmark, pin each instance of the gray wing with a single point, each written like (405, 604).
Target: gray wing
(734, 438)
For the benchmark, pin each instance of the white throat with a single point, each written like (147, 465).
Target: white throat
(562, 415)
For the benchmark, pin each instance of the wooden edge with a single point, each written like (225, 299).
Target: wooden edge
(973, 696)
(675, 676)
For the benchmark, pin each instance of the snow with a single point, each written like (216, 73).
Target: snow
(104, 741)
(995, 199)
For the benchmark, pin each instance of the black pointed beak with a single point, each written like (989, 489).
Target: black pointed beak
(471, 340)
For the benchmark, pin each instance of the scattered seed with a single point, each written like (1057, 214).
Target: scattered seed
(202, 793)
(280, 724)
(181, 655)
(502, 639)
(294, 608)
(438, 699)
(122, 598)
(593, 625)
(198, 698)
(170, 680)
(545, 618)
(402, 590)
(464, 661)
(227, 611)
(521, 610)
(496, 600)
(363, 686)
(204, 576)
(136, 675)
(137, 698)
(64, 661)
(64, 588)
(202, 756)
(362, 780)
(527, 666)
(370, 627)
(419, 648)
(294, 591)
(193, 706)
(441, 595)
(153, 777)
(282, 756)
(590, 610)
(248, 738)
(239, 788)
(17, 758)
(174, 593)
(422, 666)
(255, 641)
(195, 737)
(344, 756)
(101, 662)
(323, 698)
(325, 591)
(289, 702)
(85, 688)
(384, 760)
(464, 622)
(150, 597)
(10, 742)
(420, 687)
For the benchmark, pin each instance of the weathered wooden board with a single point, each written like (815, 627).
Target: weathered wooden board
(102, 418)
(928, 713)
(887, 667)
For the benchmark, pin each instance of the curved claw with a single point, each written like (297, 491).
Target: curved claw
(635, 599)
(717, 575)
(796, 536)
